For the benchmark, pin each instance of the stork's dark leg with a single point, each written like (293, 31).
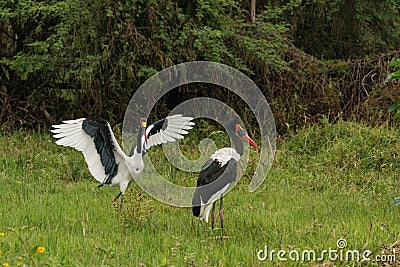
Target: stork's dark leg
(115, 199)
(221, 217)
(212, 216)
(122, 199)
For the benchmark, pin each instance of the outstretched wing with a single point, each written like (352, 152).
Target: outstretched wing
(95, 139)
(168, 129)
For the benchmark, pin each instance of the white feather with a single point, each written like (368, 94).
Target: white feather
(224, 155)
(172, 134)
(176, 128)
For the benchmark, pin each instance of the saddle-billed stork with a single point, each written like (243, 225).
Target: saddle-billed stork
(218, 173)
(107, 162)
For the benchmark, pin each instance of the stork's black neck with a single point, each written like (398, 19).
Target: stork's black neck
(139, 141)
(238, 143)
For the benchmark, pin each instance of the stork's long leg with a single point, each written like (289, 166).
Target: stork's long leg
(221, 217)
(212, 216)
(122, 199)
(115, 199)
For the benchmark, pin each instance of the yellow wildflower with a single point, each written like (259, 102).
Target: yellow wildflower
(5, 264)
(1, 252)
(40, 249)
(19, 258)
(2, 234)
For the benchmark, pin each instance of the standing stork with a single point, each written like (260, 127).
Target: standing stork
(107, 163)
(218, 173)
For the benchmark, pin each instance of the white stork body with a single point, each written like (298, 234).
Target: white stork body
(106, 161)
(217, 174)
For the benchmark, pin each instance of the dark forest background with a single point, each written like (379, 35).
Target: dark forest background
(312, 58)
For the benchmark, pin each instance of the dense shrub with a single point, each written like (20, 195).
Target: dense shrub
(64, 59)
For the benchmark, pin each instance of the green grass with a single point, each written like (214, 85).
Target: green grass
(327, 182)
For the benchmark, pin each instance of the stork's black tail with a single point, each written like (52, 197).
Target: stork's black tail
(196, 211)
(196, 203)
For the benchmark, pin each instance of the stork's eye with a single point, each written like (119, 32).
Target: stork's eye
(238, 128)
(137, 169)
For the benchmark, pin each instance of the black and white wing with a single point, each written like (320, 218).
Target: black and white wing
(212, 183)
(168, 129)
(95, 139)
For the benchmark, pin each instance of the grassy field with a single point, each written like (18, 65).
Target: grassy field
(328, 182)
